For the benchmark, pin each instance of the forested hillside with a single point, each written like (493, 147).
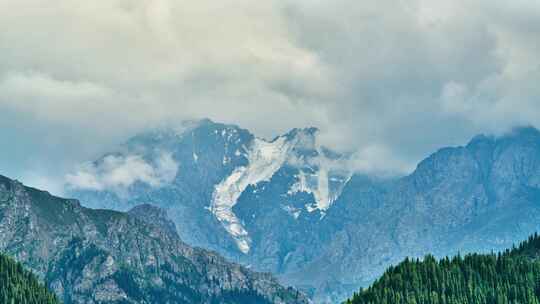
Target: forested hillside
(19, 286)
(504, 278)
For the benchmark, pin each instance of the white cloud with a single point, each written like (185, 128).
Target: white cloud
(117, 172)
(76, 76)
(377, 160)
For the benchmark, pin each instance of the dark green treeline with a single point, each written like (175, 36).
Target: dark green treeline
(19, 286)
(511, 277)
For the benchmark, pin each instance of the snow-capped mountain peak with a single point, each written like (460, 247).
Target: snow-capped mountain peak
(213, 166)
(297, 148)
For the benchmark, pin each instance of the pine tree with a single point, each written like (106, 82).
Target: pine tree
(512, 277)
(18, 286)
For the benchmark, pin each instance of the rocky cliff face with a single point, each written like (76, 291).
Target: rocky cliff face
(291, 207)
(480, 197)
(156, 216)
(102, 256)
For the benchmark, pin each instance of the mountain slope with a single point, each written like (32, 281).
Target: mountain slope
(475, 198)
(292, 207)
(95, 256)
(18, 285)
(511, 277)
(216, 165)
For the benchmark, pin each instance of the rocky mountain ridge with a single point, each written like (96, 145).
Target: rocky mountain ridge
(103, 256)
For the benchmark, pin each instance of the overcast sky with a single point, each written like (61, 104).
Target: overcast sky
(394, 80)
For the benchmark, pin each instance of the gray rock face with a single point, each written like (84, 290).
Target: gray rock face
(205, 153)
(480, 197)
(102, 256)
(153, 215)
(326, 231)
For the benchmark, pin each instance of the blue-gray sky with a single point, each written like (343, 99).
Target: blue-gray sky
(393, 80)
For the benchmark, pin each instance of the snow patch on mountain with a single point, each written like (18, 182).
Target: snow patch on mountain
(294, 212)
(316, 184)
(264, 159)
(324, 182)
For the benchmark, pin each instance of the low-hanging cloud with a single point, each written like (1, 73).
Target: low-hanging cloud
(390, 81)
(118, 172)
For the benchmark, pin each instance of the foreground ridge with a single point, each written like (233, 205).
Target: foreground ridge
(102, 256)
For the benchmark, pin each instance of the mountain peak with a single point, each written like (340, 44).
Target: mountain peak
(518, 133)
(524, 132)
(480, 140)
(206, 121)
(294, 133)
(154, 215)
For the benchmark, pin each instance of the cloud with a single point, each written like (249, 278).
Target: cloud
(116, 173)
(374, 160)
(388, 80)
(378, 161)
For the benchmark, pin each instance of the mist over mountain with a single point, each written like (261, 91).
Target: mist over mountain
(297, 209)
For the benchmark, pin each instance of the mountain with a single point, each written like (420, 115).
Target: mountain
(199, 172)
(293, 207)
(511, 277)
(476, 198)
(18, 285)
(102, 256)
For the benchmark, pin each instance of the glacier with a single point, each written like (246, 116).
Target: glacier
(264, 159)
